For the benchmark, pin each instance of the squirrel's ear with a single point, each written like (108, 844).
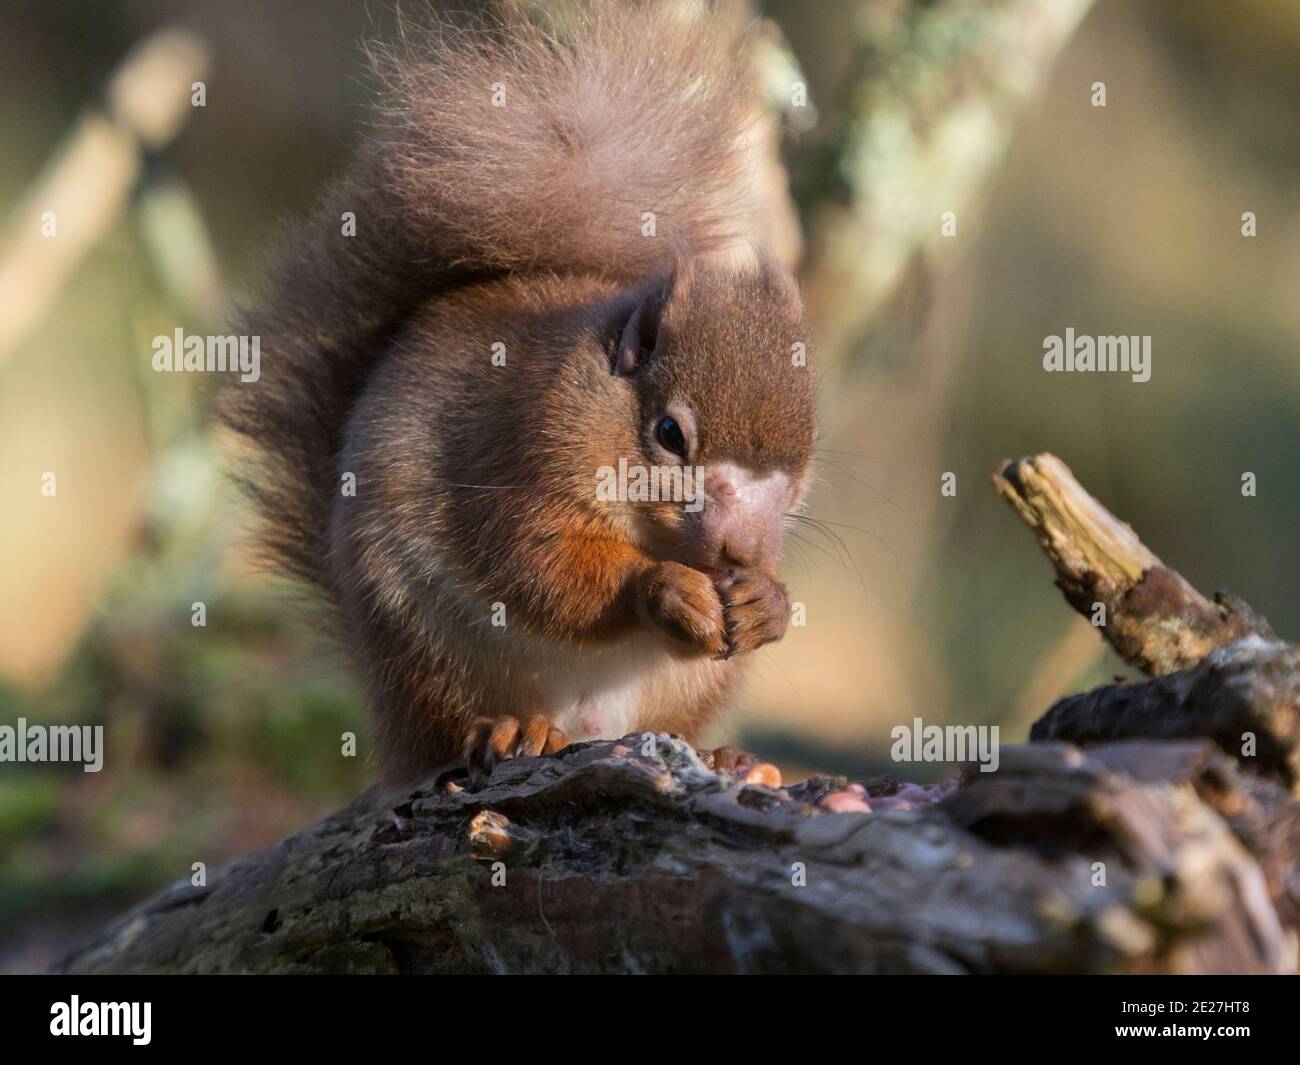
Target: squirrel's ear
(640, 335)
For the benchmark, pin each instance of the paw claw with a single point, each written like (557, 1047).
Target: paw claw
(756, 608)
(684, 603)
(494, 740)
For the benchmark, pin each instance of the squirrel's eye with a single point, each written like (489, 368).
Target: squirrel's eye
(670, 435)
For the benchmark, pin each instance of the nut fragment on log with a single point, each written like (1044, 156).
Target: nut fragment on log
(1155, 619)
(605, 859)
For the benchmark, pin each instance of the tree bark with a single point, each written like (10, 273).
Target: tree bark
(1245, 697)
(1157, 853)
(611, 860)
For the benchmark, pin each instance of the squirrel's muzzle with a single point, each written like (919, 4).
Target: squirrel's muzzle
(741, 523)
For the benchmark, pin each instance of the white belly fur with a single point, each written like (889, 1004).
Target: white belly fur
(596, 693)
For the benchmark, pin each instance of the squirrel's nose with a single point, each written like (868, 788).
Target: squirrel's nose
(741, 523)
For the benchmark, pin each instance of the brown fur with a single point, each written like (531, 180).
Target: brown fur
(476, 484)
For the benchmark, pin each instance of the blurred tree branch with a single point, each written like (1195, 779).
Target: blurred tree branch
(87, 183)
(938, 88)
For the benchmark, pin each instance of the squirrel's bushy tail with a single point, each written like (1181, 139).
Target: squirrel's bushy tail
(560, 145)
(500, 147)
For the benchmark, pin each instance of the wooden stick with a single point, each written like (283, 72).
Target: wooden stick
(1153, 618)
(86, 184)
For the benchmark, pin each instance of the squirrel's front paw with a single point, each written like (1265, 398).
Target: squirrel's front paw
(494, 739)
(684, 603)
(756, 608)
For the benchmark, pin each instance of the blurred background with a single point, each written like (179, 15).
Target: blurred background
(1123, 219)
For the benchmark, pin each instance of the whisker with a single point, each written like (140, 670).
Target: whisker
(830, 464)
(855, 528)
(802, 541)
(834, 538)
(768, 660)
(851, 454)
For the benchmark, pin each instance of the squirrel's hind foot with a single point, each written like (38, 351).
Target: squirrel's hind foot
(744, 766)
(493, 740)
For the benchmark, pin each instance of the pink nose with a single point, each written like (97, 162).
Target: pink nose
(741, 520)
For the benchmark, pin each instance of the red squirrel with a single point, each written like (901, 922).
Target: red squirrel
(542, 261)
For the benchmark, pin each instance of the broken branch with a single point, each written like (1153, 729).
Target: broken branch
(1155, 620)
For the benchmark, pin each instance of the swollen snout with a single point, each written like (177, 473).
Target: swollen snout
(741, 522)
